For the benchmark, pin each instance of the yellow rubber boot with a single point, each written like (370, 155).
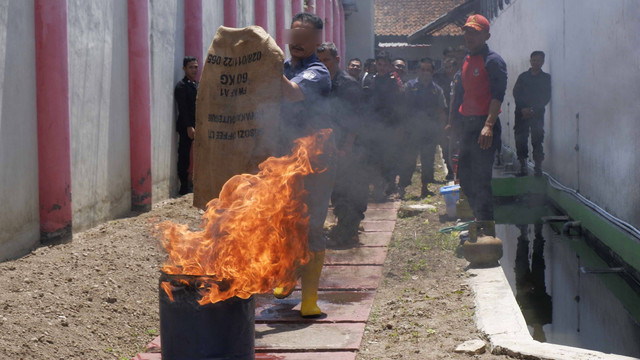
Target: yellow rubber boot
(310, 281)
(281, 293)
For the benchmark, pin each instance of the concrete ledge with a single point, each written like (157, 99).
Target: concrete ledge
(499, 317)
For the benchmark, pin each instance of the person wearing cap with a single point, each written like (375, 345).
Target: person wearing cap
(484, 83)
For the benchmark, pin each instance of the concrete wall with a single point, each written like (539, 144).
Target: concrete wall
(166, 22)
(19, 219)
(99, 115)
(592, 55)
(358, 30)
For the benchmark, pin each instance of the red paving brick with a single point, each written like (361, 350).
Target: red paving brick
(384, 205)
(342, 277)
(337, 306)
(281, 334)
(154, 345)
(308, 336)
(148, 356)
(381, 225)
(382, 238)
(356, 256)
(307, 356)
(380, 214)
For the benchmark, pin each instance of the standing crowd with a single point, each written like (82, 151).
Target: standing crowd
(382, 121)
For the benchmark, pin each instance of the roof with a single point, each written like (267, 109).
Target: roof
(452, 19)
(404, 17)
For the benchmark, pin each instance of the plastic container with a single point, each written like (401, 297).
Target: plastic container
(189, 331)
(451, 195)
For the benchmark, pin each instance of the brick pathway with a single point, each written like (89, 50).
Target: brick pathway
(348, 284)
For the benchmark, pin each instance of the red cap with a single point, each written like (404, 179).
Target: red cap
(477, 22)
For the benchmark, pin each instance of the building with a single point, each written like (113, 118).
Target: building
(397, 20)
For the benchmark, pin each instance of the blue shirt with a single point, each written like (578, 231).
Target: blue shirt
(303, 117)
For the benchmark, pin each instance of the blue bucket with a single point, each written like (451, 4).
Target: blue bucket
(451, 195)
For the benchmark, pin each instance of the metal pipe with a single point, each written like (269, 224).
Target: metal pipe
(566, 228)
(52, 108)
(261, 14)
(230, 13)
(193, 32)
(139, 104)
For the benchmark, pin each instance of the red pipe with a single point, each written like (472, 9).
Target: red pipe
(296, 7)
(230, 13)
(52, 107)
(321, 14)
(262, 14)
(328, 23)
(336, 31)
(193, 31)
(280, 24)
(340, 36)
(139, 104)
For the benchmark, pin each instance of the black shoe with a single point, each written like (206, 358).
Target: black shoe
(524, 170)
(391, 189)
(537, 171)
(425, 192)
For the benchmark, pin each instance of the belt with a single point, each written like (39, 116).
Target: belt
(476, 117)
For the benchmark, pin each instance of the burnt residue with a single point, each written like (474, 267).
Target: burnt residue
(188, 330)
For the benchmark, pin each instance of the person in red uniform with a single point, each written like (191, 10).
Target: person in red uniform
(484, 82)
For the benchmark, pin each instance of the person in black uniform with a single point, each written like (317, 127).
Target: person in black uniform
(350, 191)
(531, 93)
(443, 78)
(387, 103)
(185, 94)
(306, 83)
(427, 118)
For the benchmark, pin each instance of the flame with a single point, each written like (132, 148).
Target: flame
(254, 236)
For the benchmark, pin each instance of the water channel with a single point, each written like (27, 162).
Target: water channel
(565, 290)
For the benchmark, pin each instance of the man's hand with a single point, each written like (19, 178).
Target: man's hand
(527, 113)
(191, 132)
(486, 137)
(291, 92)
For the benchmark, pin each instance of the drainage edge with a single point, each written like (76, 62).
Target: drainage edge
(499, 318)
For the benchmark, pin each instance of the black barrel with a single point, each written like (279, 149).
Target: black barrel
(190, 331)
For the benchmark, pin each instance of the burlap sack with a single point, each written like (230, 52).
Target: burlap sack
(237, 108)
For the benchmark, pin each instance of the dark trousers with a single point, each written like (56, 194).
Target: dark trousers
(426, 147)
(184, 157)
(475, 167)
(522, 128)
(350, 191)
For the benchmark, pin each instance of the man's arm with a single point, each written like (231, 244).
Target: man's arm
(180, 95)
(291, 92)
(517, 92)
(546, 95)
(497, 69)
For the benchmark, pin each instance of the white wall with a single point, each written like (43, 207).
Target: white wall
(245, 13)
(166, 22)
(592, 54)
(358, 30)
(99, 108)
(19, 219)
(99, 117)
(212, 18)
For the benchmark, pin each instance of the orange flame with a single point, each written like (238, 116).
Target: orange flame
(254, 236)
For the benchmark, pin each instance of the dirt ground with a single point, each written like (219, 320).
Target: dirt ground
(97, 296)
(423, 309)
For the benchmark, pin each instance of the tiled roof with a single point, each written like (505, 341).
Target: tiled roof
(404, 17)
